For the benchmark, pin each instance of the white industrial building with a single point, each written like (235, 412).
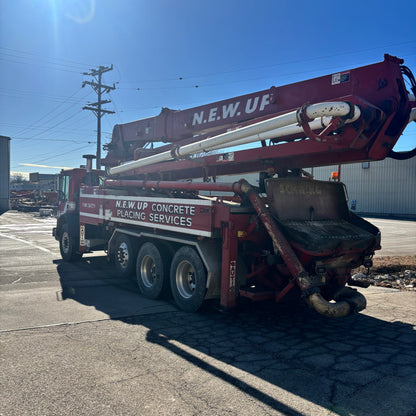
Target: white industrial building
(385, 188)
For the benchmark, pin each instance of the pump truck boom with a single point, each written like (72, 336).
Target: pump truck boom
(162, 215)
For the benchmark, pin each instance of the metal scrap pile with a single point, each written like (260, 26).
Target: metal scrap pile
(32, 201)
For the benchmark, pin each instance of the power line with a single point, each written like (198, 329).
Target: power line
(15, 53)
(40, 64)
(50, 140)
(25, 93)
(55, 125)
(115, 107)
(48, 113)
(297, 61)
(52, 150)
(55, 156)
(61, 129)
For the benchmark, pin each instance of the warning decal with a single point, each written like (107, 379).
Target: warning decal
(340, 78)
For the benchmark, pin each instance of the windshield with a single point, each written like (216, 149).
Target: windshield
(63, 187)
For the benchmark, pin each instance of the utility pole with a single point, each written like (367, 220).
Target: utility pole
(99, 88)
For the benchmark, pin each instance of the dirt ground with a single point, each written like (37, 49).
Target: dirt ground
(398, 272)
(393, 264)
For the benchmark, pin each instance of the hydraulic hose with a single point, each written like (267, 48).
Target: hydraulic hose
(402, 155)
(411, 153)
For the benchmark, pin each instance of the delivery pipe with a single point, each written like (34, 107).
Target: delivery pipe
(183, 186)
(329, 109)
(291, 130)
(348, 302)
(276, 133)
(286, 131)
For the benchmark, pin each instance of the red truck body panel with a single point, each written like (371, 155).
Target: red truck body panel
(187, 216)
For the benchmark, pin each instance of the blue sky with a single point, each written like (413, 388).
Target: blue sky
(225, 47)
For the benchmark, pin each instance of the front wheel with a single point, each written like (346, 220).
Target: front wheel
(188, 279)
(125, 256)
(151, 267)
(68, 245)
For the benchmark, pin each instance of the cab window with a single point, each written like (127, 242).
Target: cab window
(63, 188)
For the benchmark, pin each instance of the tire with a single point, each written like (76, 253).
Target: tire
(188, 279)
(68, 245)
(151, 270)
(125, 256)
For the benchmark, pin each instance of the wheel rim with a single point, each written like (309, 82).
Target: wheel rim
(148, 271)
(185, 279)
(123, 255)
(65, 242)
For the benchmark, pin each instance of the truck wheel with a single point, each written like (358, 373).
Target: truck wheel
(151, 267)
(124, 256)
(188, 279)
(68, 245)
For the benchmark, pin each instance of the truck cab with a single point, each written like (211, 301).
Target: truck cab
(67, 230)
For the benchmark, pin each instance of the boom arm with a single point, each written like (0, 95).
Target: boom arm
(375, 110)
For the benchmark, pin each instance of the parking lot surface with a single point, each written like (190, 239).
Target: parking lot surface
(77, 340)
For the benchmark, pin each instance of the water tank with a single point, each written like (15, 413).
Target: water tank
(4, 173)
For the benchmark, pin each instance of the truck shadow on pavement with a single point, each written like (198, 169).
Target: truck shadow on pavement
(357, 365)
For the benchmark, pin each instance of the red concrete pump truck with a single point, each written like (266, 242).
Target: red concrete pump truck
(162, 214)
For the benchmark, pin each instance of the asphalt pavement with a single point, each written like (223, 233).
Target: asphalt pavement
(398, 237)
(74, 339)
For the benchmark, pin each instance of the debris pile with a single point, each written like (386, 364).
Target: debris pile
(33, 201)
(393, 271)
(404, 280)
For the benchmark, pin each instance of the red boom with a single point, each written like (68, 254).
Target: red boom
(378, 90)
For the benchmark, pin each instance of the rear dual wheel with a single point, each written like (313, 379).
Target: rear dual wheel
(151, 269)
(188, 279)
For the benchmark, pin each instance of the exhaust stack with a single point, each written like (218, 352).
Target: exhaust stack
(88, 159)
